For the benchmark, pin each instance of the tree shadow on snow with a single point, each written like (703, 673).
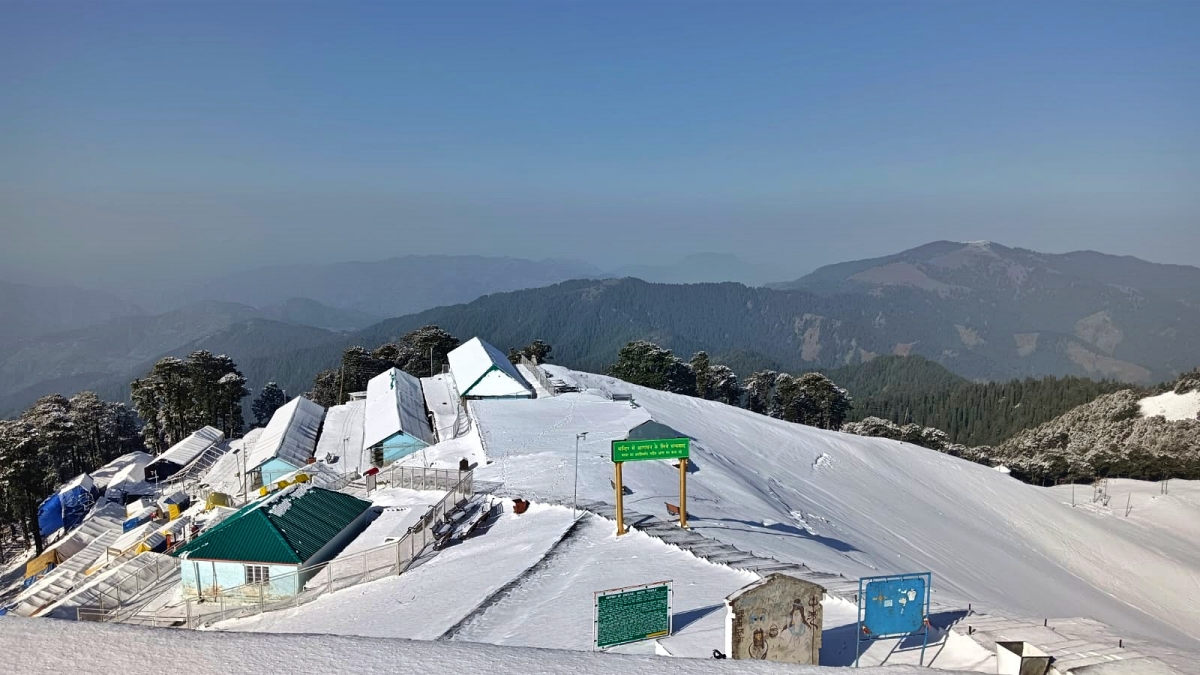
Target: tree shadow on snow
(681, 620)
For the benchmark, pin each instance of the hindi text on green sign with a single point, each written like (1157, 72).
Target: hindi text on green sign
(664, 448)
(632, 614)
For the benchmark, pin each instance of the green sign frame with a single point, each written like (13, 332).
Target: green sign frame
(632, 614)
(661, 448)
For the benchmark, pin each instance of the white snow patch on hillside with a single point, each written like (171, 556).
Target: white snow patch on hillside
(1172, 406)
(874, 506)
(36, 646)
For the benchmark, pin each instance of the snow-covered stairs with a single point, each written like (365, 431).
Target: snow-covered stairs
(62, 579)
(710, 549)
(116, 587)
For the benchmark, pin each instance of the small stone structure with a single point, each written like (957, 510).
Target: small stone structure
(775, 619)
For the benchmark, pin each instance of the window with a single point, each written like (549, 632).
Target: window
(258, 574)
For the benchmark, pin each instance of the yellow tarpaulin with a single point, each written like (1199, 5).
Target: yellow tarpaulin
(216, 499)
(39, 564)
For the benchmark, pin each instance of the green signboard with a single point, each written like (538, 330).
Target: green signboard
(663, 448)
(631, 614)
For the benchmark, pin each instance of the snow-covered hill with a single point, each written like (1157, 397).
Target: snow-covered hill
(862, 506)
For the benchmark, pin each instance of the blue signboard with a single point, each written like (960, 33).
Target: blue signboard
(893, 606)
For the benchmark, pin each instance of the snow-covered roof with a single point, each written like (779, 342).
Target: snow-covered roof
(342, 435)
(394, 405)
(482, 371)
(130, 477)
(319, 474)
(82, 480)
(191, 447)
(291, 435)
(107, 474)
(225, 474)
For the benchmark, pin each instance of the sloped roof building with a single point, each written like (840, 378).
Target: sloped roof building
(482, 371)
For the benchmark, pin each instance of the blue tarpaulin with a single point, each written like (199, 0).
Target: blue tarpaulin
(50, 515)
(76, 501)
(66, 508)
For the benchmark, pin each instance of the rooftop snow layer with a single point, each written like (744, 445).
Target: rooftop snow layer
(395, 405)
(481, 370)
(291, 435)
(342, 436)
(191, 447)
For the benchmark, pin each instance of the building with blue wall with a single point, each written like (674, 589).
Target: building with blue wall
(268, 547)
(395, 425)
(287, 442)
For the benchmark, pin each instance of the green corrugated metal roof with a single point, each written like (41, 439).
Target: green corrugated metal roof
(285, 528)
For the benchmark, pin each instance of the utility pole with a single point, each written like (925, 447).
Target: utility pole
(575, 497)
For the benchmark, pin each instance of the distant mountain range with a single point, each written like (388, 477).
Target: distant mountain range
(995, 311)
(982, 310)
(27, 311)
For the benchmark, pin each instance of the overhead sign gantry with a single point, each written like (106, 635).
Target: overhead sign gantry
(641, 450)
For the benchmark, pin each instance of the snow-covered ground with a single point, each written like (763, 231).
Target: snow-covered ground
(429, 599)
(1172, 406)
(529, 582)
(857, 506)
(34, 646)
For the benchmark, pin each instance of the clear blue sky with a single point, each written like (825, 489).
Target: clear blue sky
(187, 138)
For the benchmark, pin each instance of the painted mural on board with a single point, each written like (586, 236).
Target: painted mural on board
(776, 619)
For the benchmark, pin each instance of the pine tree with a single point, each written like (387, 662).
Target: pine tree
(269, 400)
(703, 371)
(536, 351)
(724, 385)
(177, 397)
(646, 364)
(758, 388)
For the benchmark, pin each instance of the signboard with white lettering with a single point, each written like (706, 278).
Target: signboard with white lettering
(630, 614)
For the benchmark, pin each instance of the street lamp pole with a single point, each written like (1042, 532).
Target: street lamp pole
(575, 498)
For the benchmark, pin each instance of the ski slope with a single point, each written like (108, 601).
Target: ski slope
(36, 646)
(857, 506)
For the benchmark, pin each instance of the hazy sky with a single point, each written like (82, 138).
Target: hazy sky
(186, 138)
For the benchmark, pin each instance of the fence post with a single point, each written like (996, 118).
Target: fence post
(399, 564)
(364, 557)
(188, 611)
(262, 597)
(329, 576)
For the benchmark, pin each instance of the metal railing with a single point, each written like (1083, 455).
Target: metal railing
(424, 478)
(312, 582)
(539, 375)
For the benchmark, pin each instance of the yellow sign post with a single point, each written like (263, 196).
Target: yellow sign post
(633, 451)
